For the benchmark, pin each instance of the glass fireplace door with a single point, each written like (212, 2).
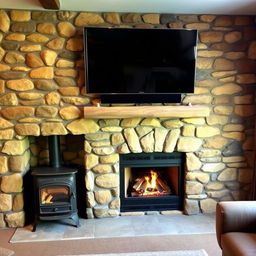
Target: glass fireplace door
(54, 194)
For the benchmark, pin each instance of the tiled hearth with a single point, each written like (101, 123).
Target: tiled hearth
(42, 93)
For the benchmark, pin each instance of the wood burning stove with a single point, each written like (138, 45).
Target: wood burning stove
(55, 188)
(151, 181)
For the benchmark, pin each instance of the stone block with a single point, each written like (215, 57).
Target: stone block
(2, 222)
(86, 19)
(211, 37)
(46, 28)
(91, 160)
(198, 176)
(216, 142)
(223, 64)
(170, 124)
(216, 120)
(204, 63)
(114, 204)
(19, 163)
(5, 202)
(9, 99)
(194, 120)
(37, 38)
(11, 183)
(6, 134)
(70, 112)
(15, 147)
(77, 101)
(4, 21)
(83, 126)
(90, 200)
(109, 180)
(151, 18)
(132, 140)
(43, 72)
(192, 162)
(193, 188)
(100, 211)
(33, 61)
(18, 202)
(30, 48)
(3, 164)
(142, 130)
(14, 58)
(171, 140)
(102, 169)
(207, 131)
(75, 44)
(52, 128)
(89, 181)
(27, 129)
(239, 136)
(191, 207)
(66, 29)
(223, 110)
(230, 89)
(46, 111)
(213, 167)
(103, 151)
(117, 139)
(160, 136)
(109, 159)
(131, 18)
(148, 142)
(112, 18)
(151, 122)
(198, 26)
(103, 196)
(233, 37)
(208, 205)
(187, 144)
(130, 122)
(52, 98)
(15, 220)
(228, 174)
(56, 43)
(20, 84)
(48, 57)
(20, 16)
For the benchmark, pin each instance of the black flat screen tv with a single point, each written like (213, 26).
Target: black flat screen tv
(140, 65)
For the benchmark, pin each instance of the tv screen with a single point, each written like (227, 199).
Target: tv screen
(132, 61)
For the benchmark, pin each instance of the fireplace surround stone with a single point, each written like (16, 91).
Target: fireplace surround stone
(42, 93)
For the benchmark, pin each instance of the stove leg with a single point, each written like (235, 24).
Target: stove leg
(34, 226)
(76, 220)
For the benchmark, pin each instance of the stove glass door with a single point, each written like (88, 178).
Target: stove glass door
(56, 194)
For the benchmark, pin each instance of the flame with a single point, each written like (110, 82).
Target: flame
(150, 182)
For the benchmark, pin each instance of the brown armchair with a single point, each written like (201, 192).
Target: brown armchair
(236, 228)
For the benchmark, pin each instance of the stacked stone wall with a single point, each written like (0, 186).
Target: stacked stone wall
(42, 93)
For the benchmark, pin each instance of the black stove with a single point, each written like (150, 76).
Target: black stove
(55, 188)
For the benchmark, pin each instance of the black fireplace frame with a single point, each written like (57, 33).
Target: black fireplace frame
(157, 159)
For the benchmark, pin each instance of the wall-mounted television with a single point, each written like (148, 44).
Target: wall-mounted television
(140, 65)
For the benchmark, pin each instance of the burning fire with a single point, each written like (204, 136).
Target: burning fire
(150, 185)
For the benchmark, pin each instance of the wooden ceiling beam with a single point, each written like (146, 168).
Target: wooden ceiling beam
(50, 4)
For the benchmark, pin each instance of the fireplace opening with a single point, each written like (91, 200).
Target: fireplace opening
(151, 181)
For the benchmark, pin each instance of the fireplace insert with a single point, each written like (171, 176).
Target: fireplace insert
(151, 181)
(55, 188)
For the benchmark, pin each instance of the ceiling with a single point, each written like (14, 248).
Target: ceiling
(229, 7)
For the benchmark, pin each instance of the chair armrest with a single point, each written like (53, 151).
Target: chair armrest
(235, 216)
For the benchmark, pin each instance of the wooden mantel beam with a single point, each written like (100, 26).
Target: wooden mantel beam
(50, 4)
(146, 111)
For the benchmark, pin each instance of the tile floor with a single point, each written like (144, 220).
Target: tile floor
(123, 226)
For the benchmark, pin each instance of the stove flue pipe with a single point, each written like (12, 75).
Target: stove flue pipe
(54, 151)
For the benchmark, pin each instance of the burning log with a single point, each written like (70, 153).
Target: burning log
(150, 185)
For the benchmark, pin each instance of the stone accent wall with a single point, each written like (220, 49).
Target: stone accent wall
(42, 93)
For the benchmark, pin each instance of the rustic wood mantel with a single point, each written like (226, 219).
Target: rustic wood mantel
(95, 112)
